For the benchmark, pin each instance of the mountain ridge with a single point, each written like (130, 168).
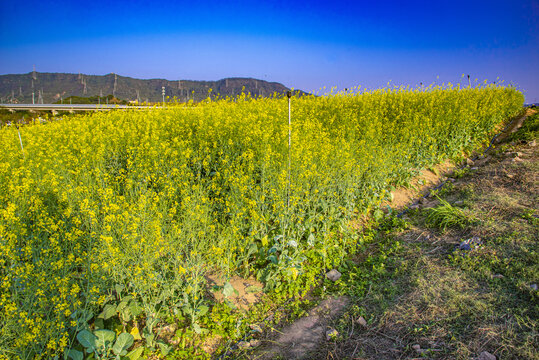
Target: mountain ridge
(52, 87)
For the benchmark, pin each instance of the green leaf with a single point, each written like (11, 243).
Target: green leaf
(108, 312)
(253, 249)
(124, 342)
(88, 340)
(228, 290)
(135, 354)
(105, 338)
(119, 288)
(202, 310)
(122, 305)
(75, 354)
(165, 349)
(197, 328)
(134, 308)
(99, 323)
(273, 259)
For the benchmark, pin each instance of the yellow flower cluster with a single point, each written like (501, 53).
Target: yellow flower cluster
(148, 199)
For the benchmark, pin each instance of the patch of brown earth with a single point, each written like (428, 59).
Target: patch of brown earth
(246, 291)
(303, 336)
(421, 184)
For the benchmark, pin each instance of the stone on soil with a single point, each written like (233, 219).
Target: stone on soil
(361, 321)
(333, 275)
(244, 344)
(485, 355)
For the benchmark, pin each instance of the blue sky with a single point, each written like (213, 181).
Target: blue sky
(306, 45)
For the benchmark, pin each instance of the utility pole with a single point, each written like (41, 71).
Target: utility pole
(163, 93)
(115, 84)
(469, 82)
(33, 91)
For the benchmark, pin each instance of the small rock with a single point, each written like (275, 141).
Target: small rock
(413, 207)
(498, 276)
(361, 321)
(255, 343)
(532, 143)
(485, 355)
(534, 287)
(474, 168)
(331, 334)
(423, 200)
(458, 202)
(467, 244)
(333, 275)
(517, 159)
(510, 176)
(469, 162)
(416, 347)
(451, 180)
(256, 328)
(244, 344)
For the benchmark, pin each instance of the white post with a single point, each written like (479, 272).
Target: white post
(289, 95)
(20, 140)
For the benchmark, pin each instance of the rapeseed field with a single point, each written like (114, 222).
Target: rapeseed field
(109, 222)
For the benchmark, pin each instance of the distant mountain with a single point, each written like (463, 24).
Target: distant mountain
(52, 87)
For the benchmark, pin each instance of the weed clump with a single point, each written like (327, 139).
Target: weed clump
(446, 216)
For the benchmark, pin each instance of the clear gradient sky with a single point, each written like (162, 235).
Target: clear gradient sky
(305, 45)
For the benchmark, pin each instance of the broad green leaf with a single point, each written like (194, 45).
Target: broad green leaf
(165, 349)
(253, 249)
(99, 323)
(135, 354)
(273, 259)
(87, 339)
(75, 354)
(108, 311)
(202, 310)
(228, 290)
(122, 305)
(119, 288)
(135, 308)
(105, 338)
(123, 343)
(197, 328)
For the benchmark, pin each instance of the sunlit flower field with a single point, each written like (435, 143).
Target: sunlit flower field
(109, 221)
